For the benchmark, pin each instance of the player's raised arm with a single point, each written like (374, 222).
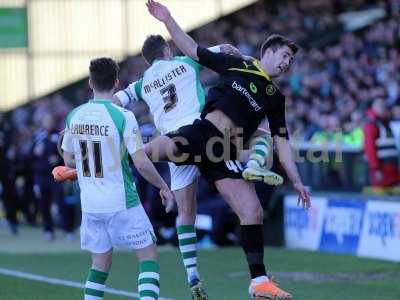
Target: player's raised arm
(218, 62)
(182, 40)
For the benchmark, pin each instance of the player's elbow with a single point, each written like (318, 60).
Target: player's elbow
(69, 159)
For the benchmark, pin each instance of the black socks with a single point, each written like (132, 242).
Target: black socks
(253, 246)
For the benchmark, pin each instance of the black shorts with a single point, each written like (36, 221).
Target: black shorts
(203, 145)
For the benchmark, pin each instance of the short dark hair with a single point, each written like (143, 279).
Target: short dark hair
(276, 41)
(103, 73)
(153, 48)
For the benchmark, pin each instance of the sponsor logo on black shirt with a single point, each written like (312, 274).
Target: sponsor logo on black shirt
(245, 93)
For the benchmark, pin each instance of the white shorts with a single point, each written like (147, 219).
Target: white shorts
(129, 229)
(182, 176)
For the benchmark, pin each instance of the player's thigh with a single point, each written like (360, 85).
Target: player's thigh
(191, 141)
(102, 261)
(131, 229)
(162, 148)
(94, 234)
(186, 198)
(242, 198)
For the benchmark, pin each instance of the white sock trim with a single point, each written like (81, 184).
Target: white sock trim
(188, 235)
(190, 261)
(188, 248)
(95, 286)
(148, 287)
(91, 297)
(260, 279)
(152, 275)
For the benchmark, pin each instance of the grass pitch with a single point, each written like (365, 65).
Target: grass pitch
(307, 275)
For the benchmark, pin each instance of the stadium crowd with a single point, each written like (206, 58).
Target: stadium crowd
(330, 90)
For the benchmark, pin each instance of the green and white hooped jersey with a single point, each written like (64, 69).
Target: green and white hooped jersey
(100, 135)
(172, 90)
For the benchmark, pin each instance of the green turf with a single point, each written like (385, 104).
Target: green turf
(224, 272)
(12, 288)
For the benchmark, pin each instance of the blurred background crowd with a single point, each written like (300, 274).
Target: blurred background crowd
(343, 88)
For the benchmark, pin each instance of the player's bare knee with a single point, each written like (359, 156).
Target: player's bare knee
(147, 253)
(259, 215)
(186, 216)
(251, 215)
(186, 203)
(102, 261)
(186, 212)
(148, 150)
(161, 148)
(186, 206)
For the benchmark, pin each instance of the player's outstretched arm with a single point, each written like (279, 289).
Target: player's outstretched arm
(182, 40)
(146, 168)
(285, 155)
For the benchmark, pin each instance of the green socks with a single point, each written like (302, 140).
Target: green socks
(187, 245)
(149, 280)
(95, 285)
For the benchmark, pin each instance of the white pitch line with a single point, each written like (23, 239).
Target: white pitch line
(74, 284)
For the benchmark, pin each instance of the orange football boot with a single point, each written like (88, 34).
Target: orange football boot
(268, 289)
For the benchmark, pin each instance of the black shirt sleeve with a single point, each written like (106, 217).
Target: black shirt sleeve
(218, 62)
(277, 120)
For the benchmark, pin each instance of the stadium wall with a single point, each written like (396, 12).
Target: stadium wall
(356, 225)
(60, 37)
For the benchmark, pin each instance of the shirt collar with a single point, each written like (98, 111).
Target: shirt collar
(100, 101)
(257, 64)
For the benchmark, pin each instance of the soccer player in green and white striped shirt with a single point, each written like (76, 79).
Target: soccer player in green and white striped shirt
(98, 138)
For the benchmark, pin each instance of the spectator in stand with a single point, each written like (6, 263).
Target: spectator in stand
(46, 157)
(395, 124)
(332, 132)
(354, 135)
(7, 175)
(380, 147)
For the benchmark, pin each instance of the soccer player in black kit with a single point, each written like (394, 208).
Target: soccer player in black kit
(244, 96)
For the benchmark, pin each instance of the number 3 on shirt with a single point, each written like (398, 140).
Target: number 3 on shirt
(169, 96)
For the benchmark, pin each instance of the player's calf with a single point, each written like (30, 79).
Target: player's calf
(95, 285)
(149, 280)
